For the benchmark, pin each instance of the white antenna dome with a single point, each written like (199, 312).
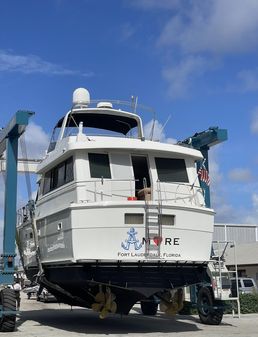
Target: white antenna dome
(81, 97)
(107, 105)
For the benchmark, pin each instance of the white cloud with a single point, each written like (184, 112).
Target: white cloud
(154, 4)
(215, 26)
(127, 31)
(180, 77)
(195, 36)
(255, 200)
(36, 141)
(240, 175)
(253, 215)
(224, 210)
(254, 121)
(171, 140)
(214, 167)
(201, 34)
(31, 64)
(158, 132)
(248, 80)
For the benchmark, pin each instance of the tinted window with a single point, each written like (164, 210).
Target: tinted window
(99, 165)
(68, 170)
(54, 177)
(61, 174)
(171, 170)
(58, 176)
(47, 181)
(167, 220)
(133, 218)
(248, 283)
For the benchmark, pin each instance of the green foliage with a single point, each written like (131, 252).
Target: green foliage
(248, 304)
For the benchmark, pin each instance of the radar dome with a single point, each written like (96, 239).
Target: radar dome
(81, 97)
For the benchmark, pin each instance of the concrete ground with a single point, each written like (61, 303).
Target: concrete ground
(53, 320)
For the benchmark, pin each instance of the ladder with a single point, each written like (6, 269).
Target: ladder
(220, 275)
(153, 225)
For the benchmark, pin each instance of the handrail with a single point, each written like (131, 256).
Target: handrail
(192, 192)
(104, 179)
(92, 134)
(159, 207)
(123, 103)
(188, 197)
(23, 215)
(96, 191)
(220, 260)
(101, 188)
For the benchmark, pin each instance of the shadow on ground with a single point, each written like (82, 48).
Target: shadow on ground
(86, 321)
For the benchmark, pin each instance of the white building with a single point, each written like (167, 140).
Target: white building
(245, 237)
(240, 233)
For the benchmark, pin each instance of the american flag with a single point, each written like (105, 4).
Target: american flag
(204, 175)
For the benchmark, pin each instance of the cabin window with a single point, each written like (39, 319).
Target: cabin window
(69, 170)
(58, 176)
(133, 218)
(171, 170)
(54, 177)
(167, 220)
(47, 182)
(99, 165)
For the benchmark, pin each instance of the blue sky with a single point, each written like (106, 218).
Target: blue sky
(193, 60)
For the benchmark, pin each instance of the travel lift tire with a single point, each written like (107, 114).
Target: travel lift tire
(149, 307)
(205, 306)
(8, 302)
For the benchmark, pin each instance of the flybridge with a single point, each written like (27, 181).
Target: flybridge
(102, 116)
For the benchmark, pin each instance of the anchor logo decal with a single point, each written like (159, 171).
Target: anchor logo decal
(132, 240)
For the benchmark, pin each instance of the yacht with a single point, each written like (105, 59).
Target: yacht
(118, 218)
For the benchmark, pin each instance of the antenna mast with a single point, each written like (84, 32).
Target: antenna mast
(134, 103)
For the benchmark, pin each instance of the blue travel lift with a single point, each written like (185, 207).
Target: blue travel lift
(202, 295)
(203, 141)
(9, 141)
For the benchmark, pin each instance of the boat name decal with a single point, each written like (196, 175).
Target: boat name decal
(132, 240)
(136, 244)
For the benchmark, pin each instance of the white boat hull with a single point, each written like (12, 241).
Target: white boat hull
(86, 233)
